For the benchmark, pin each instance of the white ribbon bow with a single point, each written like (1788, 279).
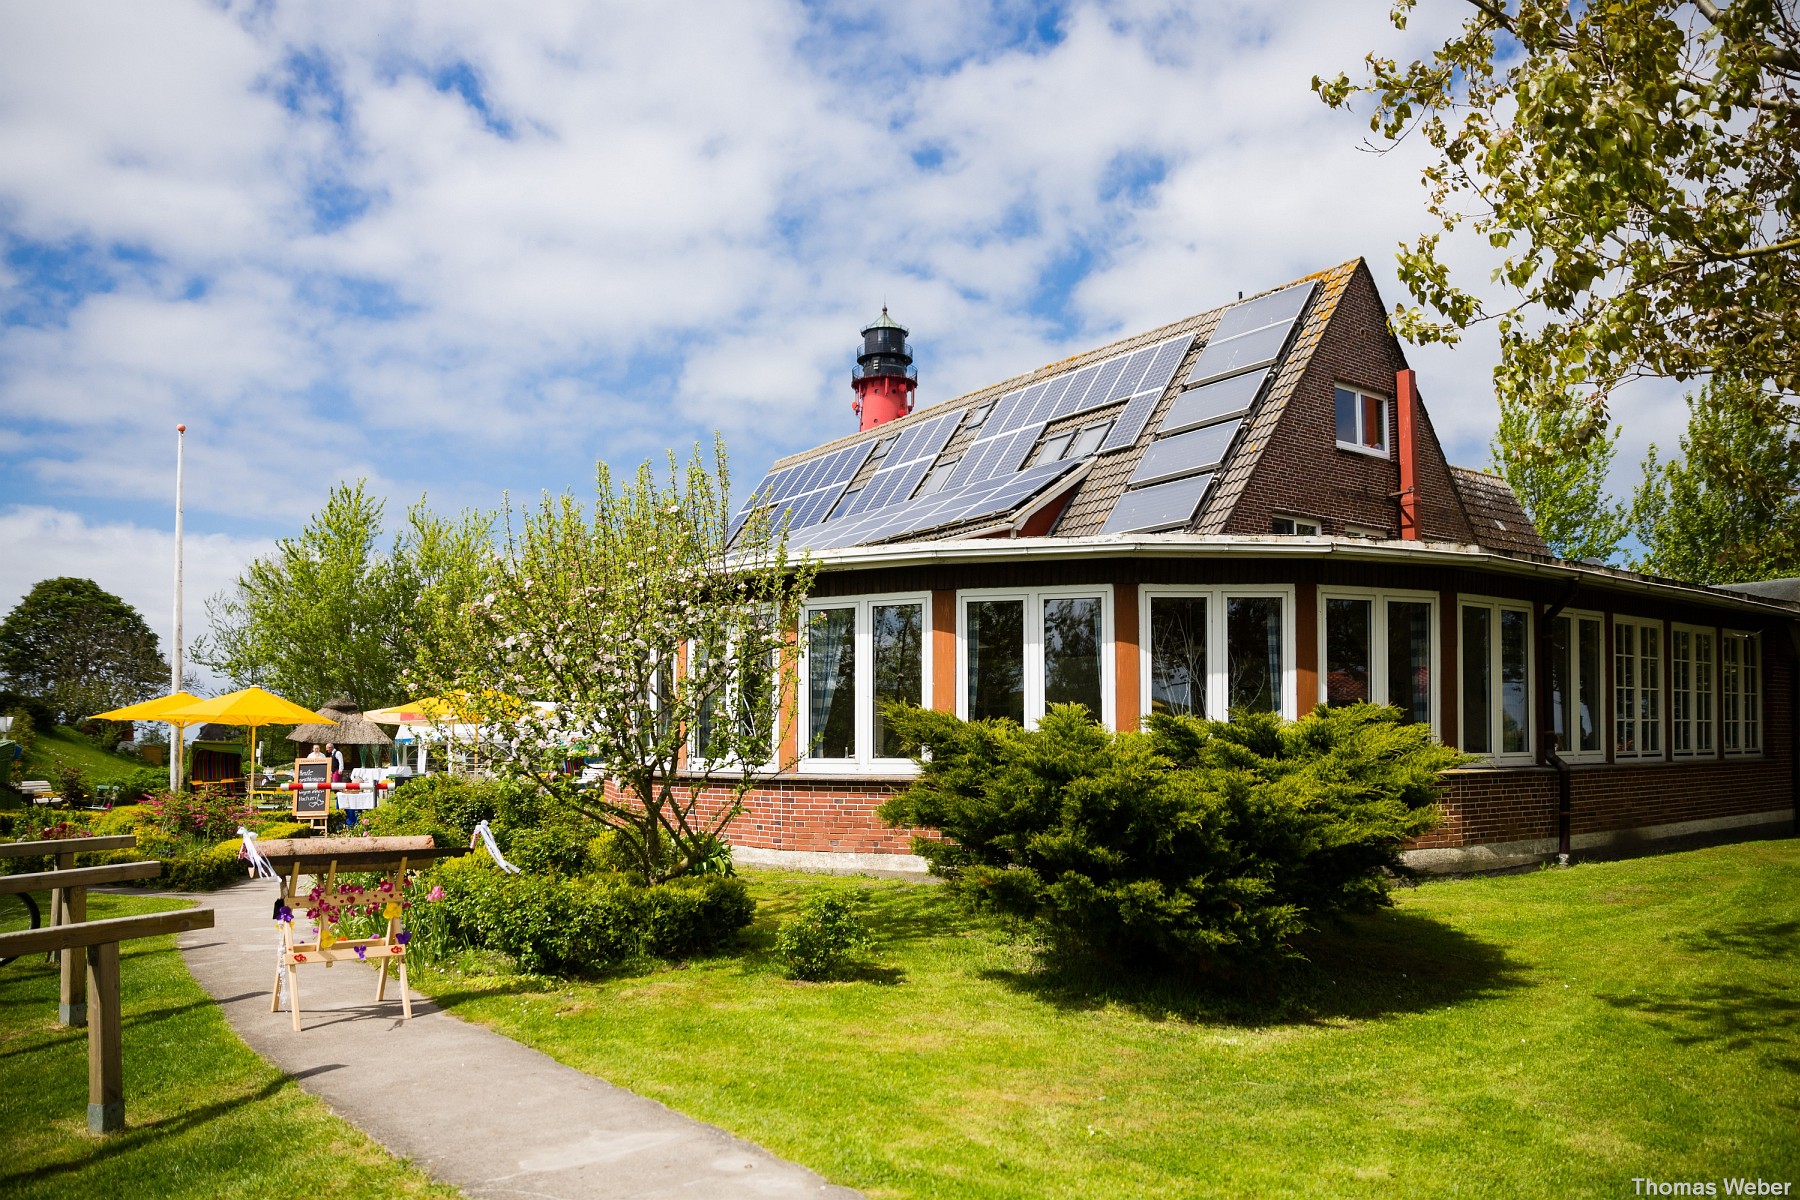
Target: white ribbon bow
(258, 863)
(482, 833)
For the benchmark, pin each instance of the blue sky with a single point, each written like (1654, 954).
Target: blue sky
(463, 249)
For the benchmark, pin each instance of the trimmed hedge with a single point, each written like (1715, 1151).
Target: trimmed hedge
(559, 925)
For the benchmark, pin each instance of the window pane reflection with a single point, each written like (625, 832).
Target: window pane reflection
(1347, 654)
(1253, 653)
(1072, 652)
(1178, 655)
(996, 659)
(1409, 659)
(831, 683)
(897, 645)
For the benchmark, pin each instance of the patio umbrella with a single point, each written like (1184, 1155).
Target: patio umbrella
(159, 710)
(250, 707)
(426, 711)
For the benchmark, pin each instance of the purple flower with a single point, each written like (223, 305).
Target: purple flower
(404, 936)
(284, 914)
(362, 952)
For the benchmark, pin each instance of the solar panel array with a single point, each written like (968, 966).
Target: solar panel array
(808, 490)
(1197, 432)
(952, 506)
(905, 465)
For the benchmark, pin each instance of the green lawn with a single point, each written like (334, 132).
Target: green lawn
(64, 745)
(205, 1116)
(1557, 1033)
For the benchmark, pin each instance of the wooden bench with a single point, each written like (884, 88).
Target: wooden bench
(68, 901)
(38, 791)
(99, 942)
(322, 859)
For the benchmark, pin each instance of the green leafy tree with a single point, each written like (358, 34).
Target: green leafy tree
(1727, 510)
(1636, 163)
(660, 644)
(79, 649)
(1206, 843)
(329, 613)
(1560, 481)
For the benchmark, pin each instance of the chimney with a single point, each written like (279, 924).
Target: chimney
(1406, 409)
(885, 377)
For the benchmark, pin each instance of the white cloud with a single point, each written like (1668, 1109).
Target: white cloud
(132, 562)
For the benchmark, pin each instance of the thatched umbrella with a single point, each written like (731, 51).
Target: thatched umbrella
(352, 728)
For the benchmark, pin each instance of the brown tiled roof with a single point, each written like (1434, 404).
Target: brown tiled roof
(1496, 516)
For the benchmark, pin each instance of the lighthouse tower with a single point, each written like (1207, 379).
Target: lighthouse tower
(885, 377)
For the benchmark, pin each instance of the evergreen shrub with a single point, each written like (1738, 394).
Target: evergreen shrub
(1210, 844)
(568, 925)
(823, 939)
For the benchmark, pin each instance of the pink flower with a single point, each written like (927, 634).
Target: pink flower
(437, 893)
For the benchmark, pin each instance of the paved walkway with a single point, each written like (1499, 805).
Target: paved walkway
(468, 1106)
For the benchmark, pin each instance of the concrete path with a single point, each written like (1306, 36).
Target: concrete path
(469, 1106)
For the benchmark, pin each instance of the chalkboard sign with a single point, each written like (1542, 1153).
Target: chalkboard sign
(314, 777)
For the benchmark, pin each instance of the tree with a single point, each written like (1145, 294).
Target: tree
(79, 649)
(329, 614)
(1636, 162)
(660, 643)
(1561, 483)
(1728, 510)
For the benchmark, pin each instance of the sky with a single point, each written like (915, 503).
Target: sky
(465, 250)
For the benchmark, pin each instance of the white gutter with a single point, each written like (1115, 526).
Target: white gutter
(1221, 546)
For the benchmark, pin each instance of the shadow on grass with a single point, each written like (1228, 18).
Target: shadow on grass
(1377, 966)
(136, 1137)
(1724, 1016)
(1766, 941)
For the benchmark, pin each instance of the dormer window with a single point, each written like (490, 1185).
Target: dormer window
(1294, 526)
(1361, 422)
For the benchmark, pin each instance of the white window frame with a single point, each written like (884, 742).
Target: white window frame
(866, 762)
(699, 764)
(1366, 531)
(1033, 599)
(1378, 647)
(1744, 749)
(1690, 722)
(1641, 625)
(1496, 706)
(1218, 680)
(1318, 526)
(1385, 450)
(1603, 690)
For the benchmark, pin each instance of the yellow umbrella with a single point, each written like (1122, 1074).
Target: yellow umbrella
(424, 711)
(250, 707)
(159, 710)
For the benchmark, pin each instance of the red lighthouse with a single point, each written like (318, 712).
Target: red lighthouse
(885, 377)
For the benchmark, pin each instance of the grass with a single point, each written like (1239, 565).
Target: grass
(64, 745)
(1558, 1033)
(205, 1116)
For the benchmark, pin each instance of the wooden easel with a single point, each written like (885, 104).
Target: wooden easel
(321, 859)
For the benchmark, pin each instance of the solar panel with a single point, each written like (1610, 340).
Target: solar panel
(1185, 453)
(1102, 387)
(948, 507)
(1163, 506)
(1277, 308)
(1131, 375)
(1258, 348)
(1131, 420)
(1230, 397)
(1162, 367)
(1075, 399)
(905, 464)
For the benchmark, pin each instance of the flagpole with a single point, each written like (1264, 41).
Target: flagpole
(175, 739)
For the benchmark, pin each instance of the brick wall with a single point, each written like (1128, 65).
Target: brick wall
(832, 816)
(1302, 472)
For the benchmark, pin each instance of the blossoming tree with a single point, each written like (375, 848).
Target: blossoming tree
(641, 637)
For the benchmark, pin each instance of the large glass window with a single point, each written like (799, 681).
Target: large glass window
(1740, 692)
(1691, 686)
(1637, 689)
(1361, 421)
(1496, 679)
(1253, 629)
(831, 683)
(1023, 653)
(1072, 642)
(1178, 655)
(1576, 684)
(1378, 649)
(857, 655)
(897, 647)
(1248, 668)
(995, 649)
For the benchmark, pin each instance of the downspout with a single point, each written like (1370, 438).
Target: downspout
(1547, 755)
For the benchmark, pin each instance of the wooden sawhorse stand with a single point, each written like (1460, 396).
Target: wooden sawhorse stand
(100, 941)
(322, 859)
(68, 905)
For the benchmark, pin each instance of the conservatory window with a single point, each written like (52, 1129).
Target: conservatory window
(1692, 686)
(1576, 685)
(1637, 688)
(1214, 652)
(1378, 649)
(1740, 692)
(1496, 677)
(858, 654)
(1024, 651)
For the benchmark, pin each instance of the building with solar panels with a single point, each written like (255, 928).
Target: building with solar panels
(1249, 509)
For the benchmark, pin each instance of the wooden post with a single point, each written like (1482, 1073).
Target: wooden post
(72, 997)
(106, 1067)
